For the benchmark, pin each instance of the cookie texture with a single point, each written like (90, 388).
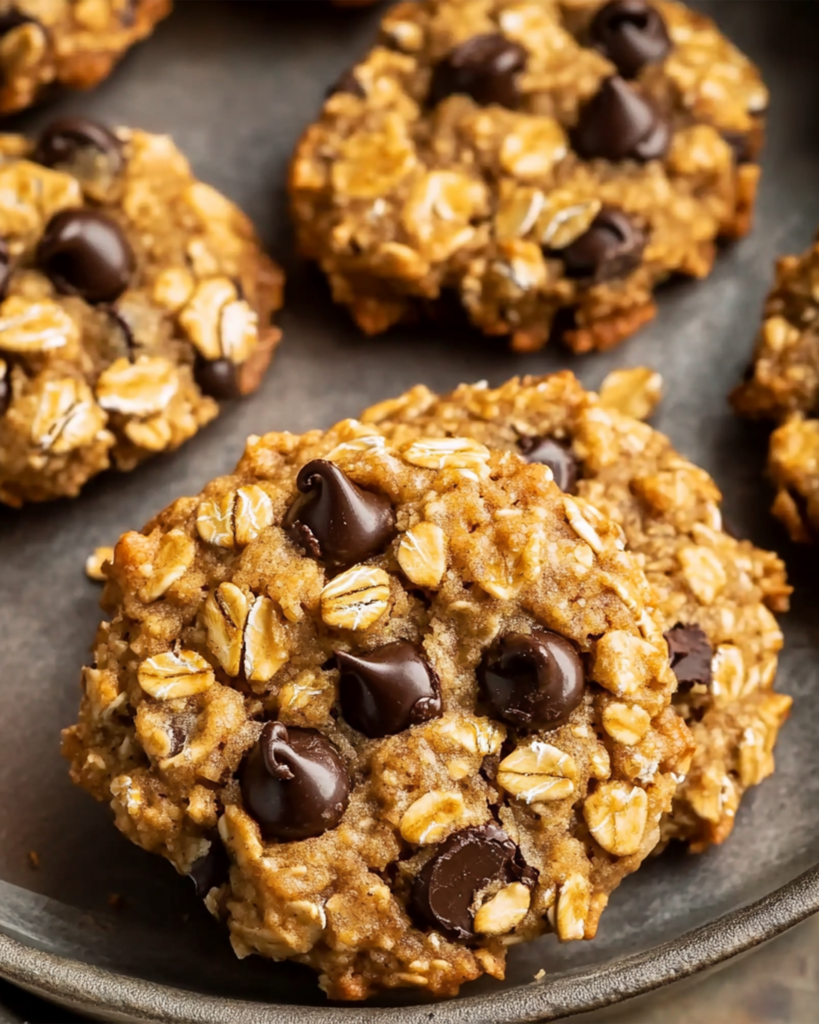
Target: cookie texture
(535, 167)
(713, 594)
(50, 44)
(132, 296)
(782, 385)
(393, 706)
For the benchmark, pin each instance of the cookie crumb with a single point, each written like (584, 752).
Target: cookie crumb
(95, 562)
(34, 859)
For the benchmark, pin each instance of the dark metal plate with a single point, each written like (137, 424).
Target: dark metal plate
(235, 83)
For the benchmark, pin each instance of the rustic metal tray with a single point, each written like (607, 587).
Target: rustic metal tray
(235, 83)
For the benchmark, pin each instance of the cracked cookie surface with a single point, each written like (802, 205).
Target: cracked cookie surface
(714, 594)
(132, 296)
(782, 385)
(74, 44)
(538, 166)
(394, 707)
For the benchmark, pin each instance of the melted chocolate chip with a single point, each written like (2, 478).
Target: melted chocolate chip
(557, 456)
(467, 862)
(484, 67)
(348, 83)
(612, 247)
(85, 253)
(617, 123)
(212, 869)
(388, 690)
(218, 378)
(68, 139)
(631, 34)
(532, 680)
(690, 654)
(294, 783)
(338, 522)
(5, 267)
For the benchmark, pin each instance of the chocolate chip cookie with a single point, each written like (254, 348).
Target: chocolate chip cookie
(782, 385)
(539, 167)
(132, 297)
(713, 593)
(394, 707)
(74, 44)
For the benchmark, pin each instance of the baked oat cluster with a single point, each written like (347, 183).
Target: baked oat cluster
(540, 166)
(713, 594)
(782, 385)
(50, 44)
(394, 700)
(131, 297)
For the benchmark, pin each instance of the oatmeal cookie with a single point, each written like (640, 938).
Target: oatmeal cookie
(713, 593)
(74, 44)
(131, 297)
(782, 384)
(394, 707)
(539, 166)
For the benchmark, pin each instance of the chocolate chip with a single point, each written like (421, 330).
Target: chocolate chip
(532, 680)
(631, 34)
(5, 267)
(294, 783)
(348, 83)
(211, 870)
(617, 123)
(86, 253)
(557, 456)
(484, 67)
(467, 862)
(690, 654)
(388, 690)
(218, 378)
(338, 522)
(611, 247)
(10, 20)
(69, 140)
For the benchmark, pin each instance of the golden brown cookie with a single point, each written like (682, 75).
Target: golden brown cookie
(541, 166)
(394, 706)
(132, 296)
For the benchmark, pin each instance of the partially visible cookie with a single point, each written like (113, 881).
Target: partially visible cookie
(394, 707)
(712, 592)
(782, 385)
(539, 167)
(132, 297)
(47, 44)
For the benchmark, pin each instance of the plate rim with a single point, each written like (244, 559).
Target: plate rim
(93, 989)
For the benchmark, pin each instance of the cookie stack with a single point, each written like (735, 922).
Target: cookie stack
(402, 693)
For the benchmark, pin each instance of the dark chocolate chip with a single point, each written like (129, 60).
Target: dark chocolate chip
(65, 141)
(557, 456)
(218, 378)
(611, 247)
(211, 870)
(10, 20)
(5, 267)
(347, 83)
(467, 862)
(484, 67)
(177, 738)
(631, 34)
(294, 783)
(690, 654)
(387, 690)
(337, 521)
(617, 123)
(532, 680)
(86, 253)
